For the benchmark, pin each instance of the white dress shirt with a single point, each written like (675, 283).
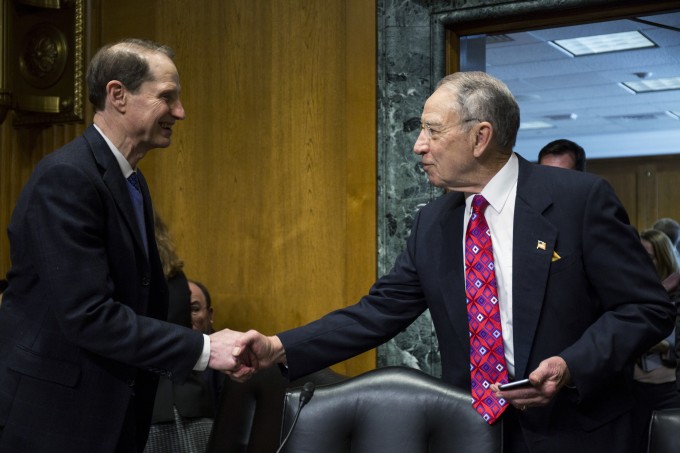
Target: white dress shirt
(501, 193)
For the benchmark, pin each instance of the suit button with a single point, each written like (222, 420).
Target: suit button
(146, 280)
(130, 383)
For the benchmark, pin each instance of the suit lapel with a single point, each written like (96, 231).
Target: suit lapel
(533, 245)
(451, 266)
(116, 183)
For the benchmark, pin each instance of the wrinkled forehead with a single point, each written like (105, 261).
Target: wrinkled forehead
(441, 106)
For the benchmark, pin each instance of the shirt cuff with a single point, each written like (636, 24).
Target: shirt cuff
(203, 360)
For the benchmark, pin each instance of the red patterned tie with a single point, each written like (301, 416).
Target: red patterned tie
(487, 356)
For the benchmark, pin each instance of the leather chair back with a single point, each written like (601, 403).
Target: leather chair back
(248, 418)
(388, 410)
(664, 431)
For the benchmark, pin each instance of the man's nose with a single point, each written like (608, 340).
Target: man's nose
(421, 144)
(178, 110)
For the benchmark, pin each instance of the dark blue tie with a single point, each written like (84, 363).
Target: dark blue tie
(138, 203)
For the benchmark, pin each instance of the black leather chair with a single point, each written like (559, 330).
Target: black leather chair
(388, 410)
(664, 431)
(248, 418)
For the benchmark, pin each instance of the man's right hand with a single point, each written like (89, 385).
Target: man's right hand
(257, 352)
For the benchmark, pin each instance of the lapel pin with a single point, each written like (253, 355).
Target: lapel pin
(540, 245)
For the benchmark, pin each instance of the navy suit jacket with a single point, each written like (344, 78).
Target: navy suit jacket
(81, 344)
(599, 306)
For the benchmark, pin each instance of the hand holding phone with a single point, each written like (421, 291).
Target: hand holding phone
(515, 384)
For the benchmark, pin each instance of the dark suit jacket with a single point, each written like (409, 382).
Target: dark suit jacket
(599, 306)
(81, 344)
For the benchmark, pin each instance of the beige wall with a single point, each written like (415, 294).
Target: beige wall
(269, 186)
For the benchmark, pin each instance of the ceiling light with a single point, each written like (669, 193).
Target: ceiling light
(645, 86)
(562, 116)
(528, 125)
(635, 116)
(596, 44)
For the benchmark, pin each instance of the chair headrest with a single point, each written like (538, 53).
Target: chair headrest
(392, 409)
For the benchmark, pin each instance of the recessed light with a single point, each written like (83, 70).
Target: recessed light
(529, 125)
(562, 116)
(597, 44)
(646, 86)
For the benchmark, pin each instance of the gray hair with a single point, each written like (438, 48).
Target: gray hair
(482, 97)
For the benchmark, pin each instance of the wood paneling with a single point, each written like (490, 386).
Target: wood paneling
(647, 186)
(269, 186)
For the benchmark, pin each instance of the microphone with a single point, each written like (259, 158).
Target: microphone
(305, 395)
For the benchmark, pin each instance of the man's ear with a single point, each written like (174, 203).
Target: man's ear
(483, 132)
(116, 95)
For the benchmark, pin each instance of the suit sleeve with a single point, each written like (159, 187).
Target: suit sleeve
(636, 311)
(393, 303)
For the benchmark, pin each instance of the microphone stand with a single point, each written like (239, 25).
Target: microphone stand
(305, 395)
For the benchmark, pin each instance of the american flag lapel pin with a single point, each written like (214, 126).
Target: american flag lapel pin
(540, 245)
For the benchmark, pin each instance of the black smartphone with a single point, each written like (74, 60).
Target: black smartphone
(515, 384)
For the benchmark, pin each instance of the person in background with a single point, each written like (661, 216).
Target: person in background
(560, 298)
(201, 308)
(201, 320)
(671, 228)
(83, 336)
(563, 153)
(183, 413)
(654, 375)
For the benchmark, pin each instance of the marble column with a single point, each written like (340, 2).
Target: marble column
(404, 83)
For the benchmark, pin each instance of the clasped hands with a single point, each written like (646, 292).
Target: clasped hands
(240, 355)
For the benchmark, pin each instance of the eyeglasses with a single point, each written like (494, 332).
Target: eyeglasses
(433, 131)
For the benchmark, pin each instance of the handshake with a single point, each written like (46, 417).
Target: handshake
(240, 355)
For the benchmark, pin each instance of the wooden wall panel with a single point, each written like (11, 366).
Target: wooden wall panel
(269, 187)
(647, 186)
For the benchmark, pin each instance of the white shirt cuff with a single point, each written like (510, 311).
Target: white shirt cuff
(203, 360)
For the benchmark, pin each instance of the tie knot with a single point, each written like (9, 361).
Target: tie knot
(479, 204)
(132, 179)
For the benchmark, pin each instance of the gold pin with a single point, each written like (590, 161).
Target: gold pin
(540, 245)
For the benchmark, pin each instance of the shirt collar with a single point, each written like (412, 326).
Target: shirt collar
(499, 188)
(123, 163)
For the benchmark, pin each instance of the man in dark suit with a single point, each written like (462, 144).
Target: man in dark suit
(563, 153)
(81, 341)
(579, 300)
